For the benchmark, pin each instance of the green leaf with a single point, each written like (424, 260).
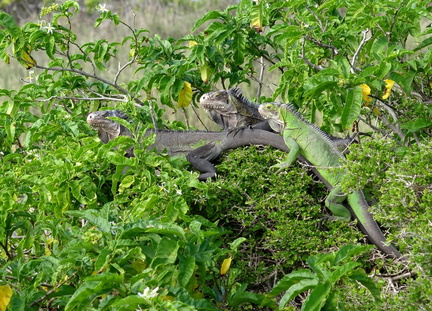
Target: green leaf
(152, 226)
(93, 217)
(166, 252)
(241, 296)
(239, 45)
(342, 270)
(290, 279)
(236, 243)
(209, 16)
(186, 269)
(50, 47)
(426, 42)
(352, 107)
(360, 276)
(296, 289)
(317, 297)
(92, 287)
(349, 251)
(7, 22)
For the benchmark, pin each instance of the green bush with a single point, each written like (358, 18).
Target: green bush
(83, 227)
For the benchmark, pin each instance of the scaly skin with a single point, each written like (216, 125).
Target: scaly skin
(199, 147)
(307, 140)
(230, 109)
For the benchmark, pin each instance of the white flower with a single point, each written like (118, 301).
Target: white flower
(149, 294)
(179, 192)
(102, 8)
(49, 28)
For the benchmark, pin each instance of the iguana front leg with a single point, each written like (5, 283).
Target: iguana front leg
(333, 203)
(292, 154)
(200, 159)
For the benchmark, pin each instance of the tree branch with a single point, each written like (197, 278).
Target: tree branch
(362, 42)
(307, 61)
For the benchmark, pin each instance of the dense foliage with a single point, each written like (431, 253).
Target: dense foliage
(82, 227)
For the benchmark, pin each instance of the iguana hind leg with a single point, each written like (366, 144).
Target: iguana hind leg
(200, 159)
(333, 203)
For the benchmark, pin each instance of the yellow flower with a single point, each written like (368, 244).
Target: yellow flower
(192, 43)
(225, 265)
(366, 90)
(388, 86)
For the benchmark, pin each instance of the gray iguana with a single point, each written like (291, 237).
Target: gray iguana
(213, 144)
(307, 140)
(230, 109)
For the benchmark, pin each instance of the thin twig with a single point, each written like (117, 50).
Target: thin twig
(50, 292)
(323, 45)
(261, 75)
(197, 115)
(356, 53)
(317, 67)
(379, 130)
(139, 103)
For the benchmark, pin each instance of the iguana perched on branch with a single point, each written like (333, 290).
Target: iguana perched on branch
(307, 140)
(230, 109)
(213, 144)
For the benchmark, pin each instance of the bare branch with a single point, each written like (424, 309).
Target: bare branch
(138, 103)
(261, 75)
(323, 45)
(356, 53)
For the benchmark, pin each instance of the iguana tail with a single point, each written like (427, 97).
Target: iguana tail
(368, 225)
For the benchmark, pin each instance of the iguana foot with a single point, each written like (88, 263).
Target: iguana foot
(279, 167)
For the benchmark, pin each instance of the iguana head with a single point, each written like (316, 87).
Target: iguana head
(228, 108)
(271, 112)
(107, 129)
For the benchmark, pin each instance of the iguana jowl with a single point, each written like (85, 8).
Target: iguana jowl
(213, 144)
(303, 138)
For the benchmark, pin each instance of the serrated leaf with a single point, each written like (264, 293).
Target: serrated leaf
(185, 96)
(352, 106)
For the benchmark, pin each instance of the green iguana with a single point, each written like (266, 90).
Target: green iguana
(307, 140)
(230, 109)
(213, 144)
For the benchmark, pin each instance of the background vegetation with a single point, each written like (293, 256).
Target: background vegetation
(76, 233)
